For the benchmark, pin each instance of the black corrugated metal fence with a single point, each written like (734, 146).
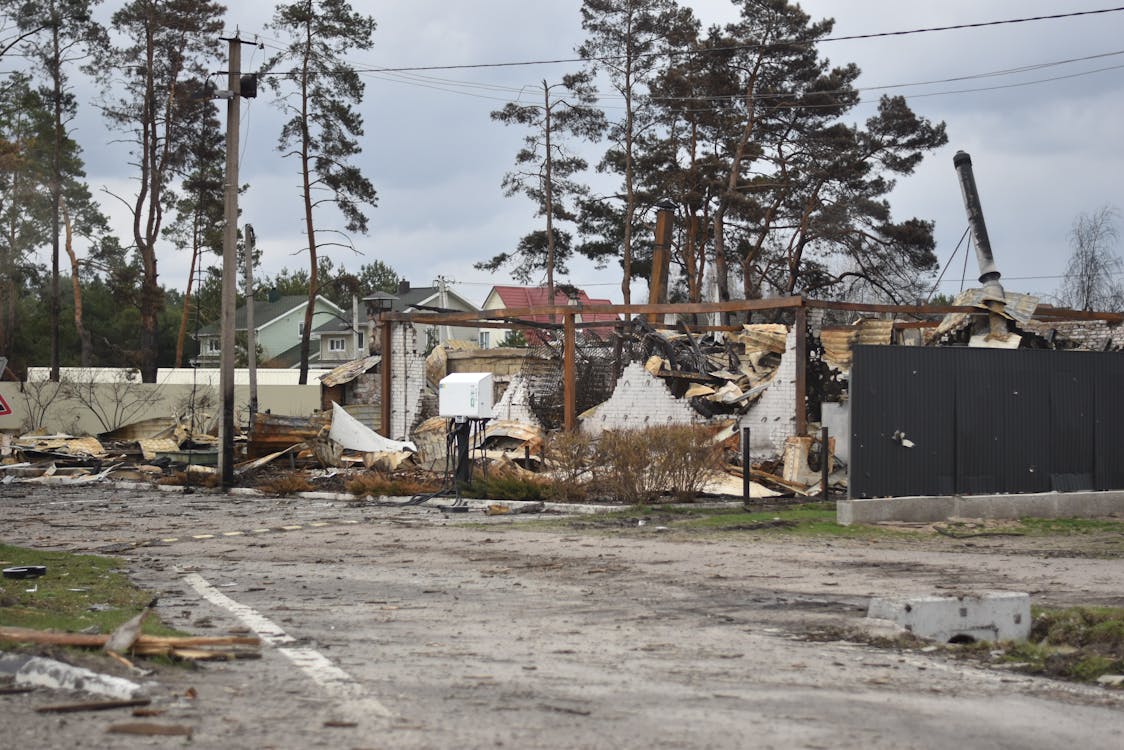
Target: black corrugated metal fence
(957, 420)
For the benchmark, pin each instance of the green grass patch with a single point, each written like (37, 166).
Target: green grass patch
(1075, 643)
(78, 592)
(1066, 526)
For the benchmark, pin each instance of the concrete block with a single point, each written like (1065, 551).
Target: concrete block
(904, 509)
(991, 616)
(1008, 506)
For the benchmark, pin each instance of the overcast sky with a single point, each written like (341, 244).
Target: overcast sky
(1046, 142)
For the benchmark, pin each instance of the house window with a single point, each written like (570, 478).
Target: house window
(336, 344)
(359, 343)
(214, 346)
(300, 328)
(485, 339)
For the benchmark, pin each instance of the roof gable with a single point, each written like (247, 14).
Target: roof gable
(266, 313)
(516, 297)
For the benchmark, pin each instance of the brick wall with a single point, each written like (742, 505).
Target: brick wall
(772, 418)
(639, 400)
(407, 379)
(514, 403)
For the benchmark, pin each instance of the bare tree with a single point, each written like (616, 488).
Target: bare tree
(1092, 278)
(115, 402)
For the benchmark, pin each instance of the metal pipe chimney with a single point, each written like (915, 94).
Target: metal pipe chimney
(989, 274)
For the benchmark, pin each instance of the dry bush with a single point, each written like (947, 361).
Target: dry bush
(378, 484)
(506, 485)
(571, 456)
(286, 484)
(182, 479)
(638, 466)
(689, 455)
(623, 467)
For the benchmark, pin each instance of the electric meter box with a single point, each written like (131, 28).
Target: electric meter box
(465, 394)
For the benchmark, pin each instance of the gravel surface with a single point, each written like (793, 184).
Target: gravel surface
(412, 628)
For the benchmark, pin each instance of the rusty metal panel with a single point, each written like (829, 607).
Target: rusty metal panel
(349, 371)
(277, 432)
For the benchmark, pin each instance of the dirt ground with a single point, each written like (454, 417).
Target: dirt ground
(412, 628)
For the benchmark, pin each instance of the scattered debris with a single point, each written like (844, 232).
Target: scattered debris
(352, 434)
(25, 571)
(272, 433)
(151, 730)
(122, 639)
(183, 647)
(68, 708)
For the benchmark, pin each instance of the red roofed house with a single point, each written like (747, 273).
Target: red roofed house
(517, 297)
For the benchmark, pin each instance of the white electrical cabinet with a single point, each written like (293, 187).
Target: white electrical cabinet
(465, 394)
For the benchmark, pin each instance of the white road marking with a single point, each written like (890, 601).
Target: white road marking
(335, 681)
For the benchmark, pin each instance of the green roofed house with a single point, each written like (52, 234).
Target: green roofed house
(278, 326)
(434, 299)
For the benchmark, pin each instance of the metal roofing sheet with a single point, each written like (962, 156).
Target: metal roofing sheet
(349, 371)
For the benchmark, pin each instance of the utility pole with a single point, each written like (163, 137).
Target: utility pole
(251, 337)
(443, 300)
(229, 264)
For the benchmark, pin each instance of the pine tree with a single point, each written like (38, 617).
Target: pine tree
(319, 93)
(167, 43)
(200, 203)
(56, 34)
(628, 39)
(545, 172)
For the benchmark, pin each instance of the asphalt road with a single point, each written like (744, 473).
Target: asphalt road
(409, 628)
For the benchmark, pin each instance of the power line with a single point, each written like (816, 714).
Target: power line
(979, 25)
(852, 37)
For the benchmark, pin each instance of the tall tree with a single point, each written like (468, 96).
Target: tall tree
(25, 131)
(546, 169)
(323, 129)
(200, 202)
(628, 40)
(165, 44)
(754, 141)
(81, 219)
(1092, 276)
(57, 34)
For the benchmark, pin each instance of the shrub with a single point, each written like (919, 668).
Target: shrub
(182, 479)
(506, 487)
(570, 456)
(638, 466)
(378, 484)
(287, 484)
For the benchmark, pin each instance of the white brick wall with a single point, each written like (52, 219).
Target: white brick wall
(639, 400)
(772, 418)
(407, 379)
(514, 404)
